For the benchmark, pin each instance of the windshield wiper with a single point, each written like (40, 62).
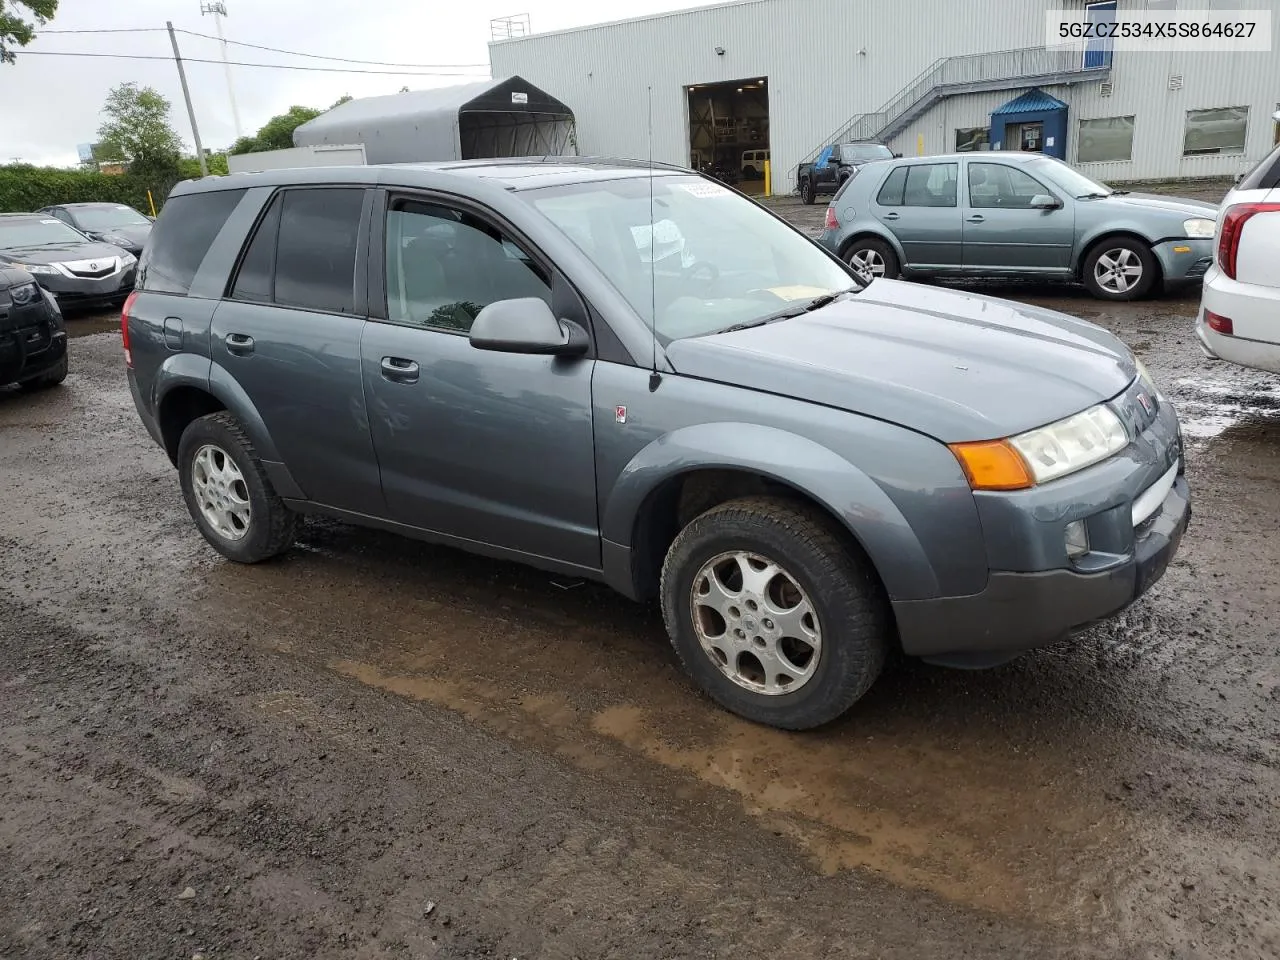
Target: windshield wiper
(795, 310)
(1093, 196)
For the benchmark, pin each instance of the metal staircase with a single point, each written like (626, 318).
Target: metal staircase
(970, 73)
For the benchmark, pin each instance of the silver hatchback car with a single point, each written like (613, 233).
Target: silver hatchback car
(1008, 214)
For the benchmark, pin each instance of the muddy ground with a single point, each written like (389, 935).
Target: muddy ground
(375, 747)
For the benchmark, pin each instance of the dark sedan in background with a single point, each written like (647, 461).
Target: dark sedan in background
(75, 269)
(114, 223)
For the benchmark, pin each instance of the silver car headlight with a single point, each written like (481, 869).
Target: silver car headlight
(127, 259)
(37, 268)
(1199, 227)
(1072, 444)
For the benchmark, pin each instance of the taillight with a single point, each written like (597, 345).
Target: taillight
(124, 328)
(831, 222)
(1218, 322)
(1233, 222)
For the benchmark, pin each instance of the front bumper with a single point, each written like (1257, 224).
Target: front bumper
(1184, 261)
(84, 290)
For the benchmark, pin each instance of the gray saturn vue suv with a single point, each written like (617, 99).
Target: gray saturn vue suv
(645, 378)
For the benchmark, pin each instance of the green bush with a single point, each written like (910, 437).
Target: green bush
(24, 188)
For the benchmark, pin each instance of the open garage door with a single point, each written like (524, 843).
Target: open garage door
(729, 131)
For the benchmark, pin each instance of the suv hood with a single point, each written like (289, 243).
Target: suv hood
(61, 253)
(955, 366)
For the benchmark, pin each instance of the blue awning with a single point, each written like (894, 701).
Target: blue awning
(1033, 101)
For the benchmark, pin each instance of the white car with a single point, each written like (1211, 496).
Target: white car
(1239, 318)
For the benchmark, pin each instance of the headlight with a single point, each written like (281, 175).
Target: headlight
(24, 293)
(127, 259)
(1045, 453)
(36, 268)
(1199, 227)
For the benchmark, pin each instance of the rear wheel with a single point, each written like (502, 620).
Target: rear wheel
(1120, 269)
(773, 614)
(50, 378)
(873, 258)
(808, 191)
(228, 494)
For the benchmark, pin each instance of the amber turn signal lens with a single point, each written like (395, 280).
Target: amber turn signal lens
(993, 465)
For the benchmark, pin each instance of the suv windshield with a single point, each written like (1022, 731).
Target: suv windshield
(108, 218)
(712, 259)
(865, 151)
(35, 232)
(1072, 181)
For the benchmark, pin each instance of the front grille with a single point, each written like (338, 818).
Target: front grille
(93, 269)
(93, 274)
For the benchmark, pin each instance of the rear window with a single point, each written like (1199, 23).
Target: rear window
(848, 180)
(183, 234)
(894, 185)
(1265, 176)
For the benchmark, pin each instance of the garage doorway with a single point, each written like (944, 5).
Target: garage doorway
(729, 131)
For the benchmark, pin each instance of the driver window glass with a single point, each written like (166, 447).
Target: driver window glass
(445, 265)
(996, 185)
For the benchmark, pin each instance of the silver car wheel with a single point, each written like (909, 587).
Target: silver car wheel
(221, 492)
(756, 623)
(868, 262)
(1118, 270)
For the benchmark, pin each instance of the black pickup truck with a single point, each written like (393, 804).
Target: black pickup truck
(828, 173)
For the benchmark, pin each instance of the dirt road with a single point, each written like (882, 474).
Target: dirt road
(379, 748)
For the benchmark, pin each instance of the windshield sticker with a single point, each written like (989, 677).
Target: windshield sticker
(704, 189)
(50, 221)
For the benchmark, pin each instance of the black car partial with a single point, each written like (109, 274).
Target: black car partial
(75, 269)
(33, 340)
(115, 223)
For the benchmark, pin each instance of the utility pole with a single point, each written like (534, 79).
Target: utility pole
(186, 95)
(219, 10)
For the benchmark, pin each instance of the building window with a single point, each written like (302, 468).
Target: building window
(1215, 131)
(973, 138)
(1107, 138)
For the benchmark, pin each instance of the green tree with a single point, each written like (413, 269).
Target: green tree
(15, 31)
(277, 133)
(137, 129)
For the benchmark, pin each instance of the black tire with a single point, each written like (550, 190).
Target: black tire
(271, 526)
(843, 590)
(808, 191)
(48, 379)
(1112, 248)
(886, 253)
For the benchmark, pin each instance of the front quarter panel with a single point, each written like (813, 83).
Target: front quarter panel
(901, 494)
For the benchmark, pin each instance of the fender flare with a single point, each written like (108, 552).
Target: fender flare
(819, 473)
(189, 370)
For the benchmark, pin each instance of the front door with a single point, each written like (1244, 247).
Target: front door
(1002, 229)
(485, 447)
(918, 204)
(289, 335)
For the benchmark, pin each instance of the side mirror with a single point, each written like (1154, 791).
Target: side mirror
(897, 156)
(833, 161)
(527, 325)
(1042, 201)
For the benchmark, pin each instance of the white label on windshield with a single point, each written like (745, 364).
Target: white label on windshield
(50, 221)
(703, 189)
(124, 208)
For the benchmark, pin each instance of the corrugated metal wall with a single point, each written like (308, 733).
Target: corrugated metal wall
(817, 77)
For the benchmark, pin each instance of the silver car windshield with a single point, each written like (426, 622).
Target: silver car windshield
(1072, 181)
(709, 259)
(35, 232)
(109, 218)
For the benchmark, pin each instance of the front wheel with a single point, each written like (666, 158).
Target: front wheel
(50, 378)
(1120, 269)
(773, 614)
(228, 493)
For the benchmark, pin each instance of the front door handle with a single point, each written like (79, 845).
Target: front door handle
(399, 370)
(976, 218)
(891, 216)
(240, 344)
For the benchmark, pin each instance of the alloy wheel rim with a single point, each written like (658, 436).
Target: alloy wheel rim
(1118, 270)
(221, 492)
(756, 623)
(868, 262)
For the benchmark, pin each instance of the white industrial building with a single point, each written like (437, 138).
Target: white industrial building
(924, 76)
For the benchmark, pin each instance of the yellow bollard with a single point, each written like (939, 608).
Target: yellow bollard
(768, 180)
(151, 200)
(919, 144)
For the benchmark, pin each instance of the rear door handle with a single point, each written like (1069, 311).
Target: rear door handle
(891, 216)
(399, 370)
(240, 344)
(976, 218)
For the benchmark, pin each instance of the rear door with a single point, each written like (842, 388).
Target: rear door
(917, 203)
(1004, 232)
(288, 333)
(486, 447)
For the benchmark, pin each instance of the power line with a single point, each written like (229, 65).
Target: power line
(317, 56)
(236, 63)
(41, 33)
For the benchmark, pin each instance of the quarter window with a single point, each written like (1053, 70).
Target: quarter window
(1105, 139)
(183, 234)
(445, 265)
(1215, 131)
(890, 194)
(997, 185)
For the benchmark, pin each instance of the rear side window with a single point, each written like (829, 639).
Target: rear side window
(891, 192)
(183, 234)
(303, 253)
(845, 186)
(1265, 176)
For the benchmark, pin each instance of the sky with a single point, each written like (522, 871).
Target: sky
(49, 104)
